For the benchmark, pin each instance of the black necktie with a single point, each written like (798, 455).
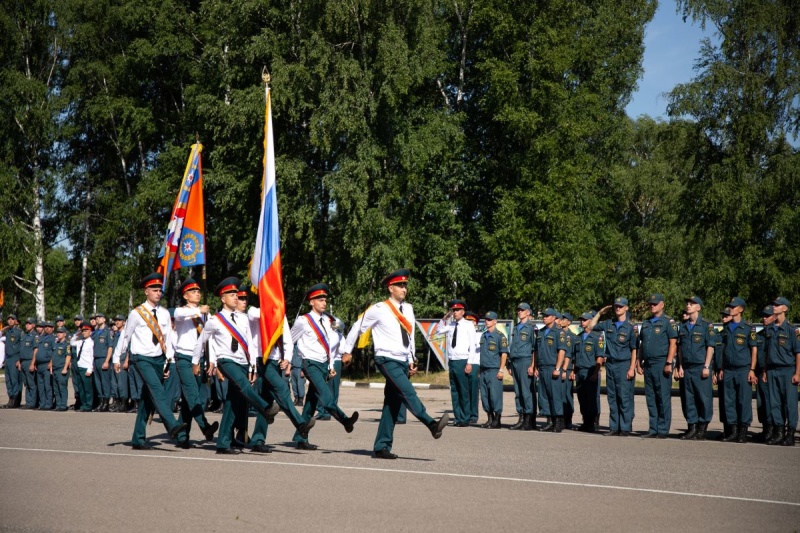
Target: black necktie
(155, 317)
(80, 351)
(455, 336)
(403, 332)
(234, 343)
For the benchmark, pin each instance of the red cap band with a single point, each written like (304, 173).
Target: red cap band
(153, 283)
(241, 293)
(191, 286)
(316, 294)
(457, 306)
(398, 279)
(229, 288)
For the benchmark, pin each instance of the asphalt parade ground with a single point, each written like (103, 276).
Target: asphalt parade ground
(76, 472)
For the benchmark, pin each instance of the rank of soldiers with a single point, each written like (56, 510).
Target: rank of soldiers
(184, 362)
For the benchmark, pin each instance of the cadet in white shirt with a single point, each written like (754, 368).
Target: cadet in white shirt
(317, 344)
(392, 325)
(146, 333)
(234, 357)
(189, 321)
(83, 346)
(461, 355)
(273, 387)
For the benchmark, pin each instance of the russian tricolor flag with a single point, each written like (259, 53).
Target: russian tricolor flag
(265, 270)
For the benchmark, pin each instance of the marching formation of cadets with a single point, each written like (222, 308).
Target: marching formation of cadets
(184, 363)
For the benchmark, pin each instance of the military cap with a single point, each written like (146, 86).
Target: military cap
(242, 293)
(457, 304)
(695, 300)
(552, 312)
(189, 284)
(398, 276)
(153, 281)
(727, 310)
(737, 302)
(60, 318)
(12, 315)
(30, 320)
(568, 316)
(524, 306)
(587, 315)
(320, 290)
(780, 300)
(49, 324)
(472, 316)
(40, 324)
(655, 298)
(86, 325)
(119, 317)
(78, 317)
(620, 300)
(491, 315)
(61, 329)
(99, 315)
(768, 311)
(229, 284)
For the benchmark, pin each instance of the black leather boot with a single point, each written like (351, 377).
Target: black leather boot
(559, 424)
(519, 423)
(495, 421)
(526, 423)
(741, 434)
(765, 433)
(489, 420)
(690, 434)
(777, 436)
(550, 426)
(730, 433)
(701, 431)
(788, 437)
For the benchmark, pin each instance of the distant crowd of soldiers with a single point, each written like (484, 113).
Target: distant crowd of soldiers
(213, 365)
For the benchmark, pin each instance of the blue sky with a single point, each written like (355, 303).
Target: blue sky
(671, 49)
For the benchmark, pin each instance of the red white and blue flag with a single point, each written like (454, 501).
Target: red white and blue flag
(266, 275)
(185, 241)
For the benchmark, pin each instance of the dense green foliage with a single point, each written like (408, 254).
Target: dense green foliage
(481, 143)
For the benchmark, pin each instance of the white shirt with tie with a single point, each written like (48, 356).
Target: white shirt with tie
(308, 343)
(84, 351)
(467, 342)
(220, 339)
(185, 329)
(386, 334)
(138, 336)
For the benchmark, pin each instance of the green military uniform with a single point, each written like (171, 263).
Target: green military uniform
(694, 341)
(520, 354)
(653, 349)
(492, 345)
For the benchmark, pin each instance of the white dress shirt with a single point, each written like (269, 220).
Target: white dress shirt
(386, 334)
(220, 338)
(116, 357)
(138, 336)
(308, 342)
(84, 351)
(466, 341)
(185, 329)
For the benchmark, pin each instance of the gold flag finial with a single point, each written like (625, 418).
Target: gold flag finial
(265, 77)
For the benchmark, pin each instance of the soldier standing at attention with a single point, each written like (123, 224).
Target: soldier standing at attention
(588, 361)
(657, 348)
(83, 347)
(460, 341)
(763, 406)
(738, 372)
(392, 325)
(783, 375)
(551, 361)
(472, 378)
(520, 352)
(572, 339)
(621, 341)
(725, 318)
(317, 344)
(28, 344)
(77, 320)
(59, 367)
(119, 380)
(13, 337)
(42, 366)
(695, 353)
(234, 355)
(146, 334)
(103, 351)
(493, 354)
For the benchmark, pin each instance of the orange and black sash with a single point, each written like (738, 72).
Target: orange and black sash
(150, 320)
(405, 325)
